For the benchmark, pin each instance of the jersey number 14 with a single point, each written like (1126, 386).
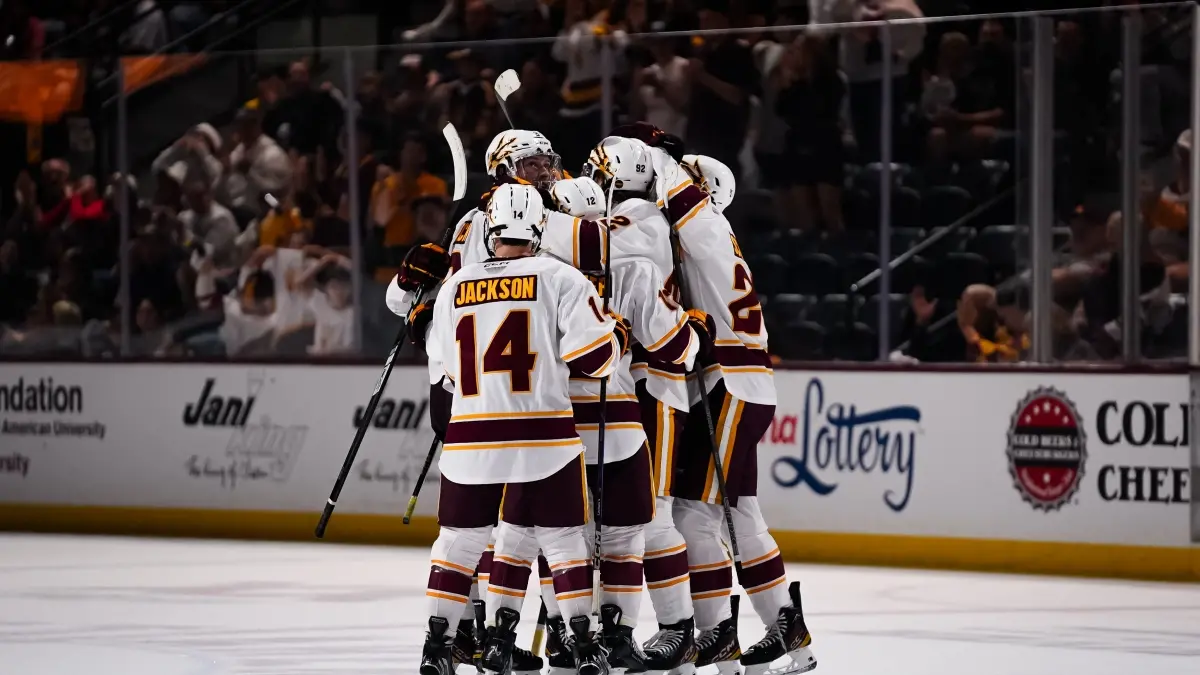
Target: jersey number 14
(507, 352)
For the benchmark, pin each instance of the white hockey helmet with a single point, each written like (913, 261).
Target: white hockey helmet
(713, 177)
(579, 197)
(623, 162)
(509, 151)
(515, 212)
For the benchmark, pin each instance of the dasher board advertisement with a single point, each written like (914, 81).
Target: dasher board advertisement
(1095, 458)
(210, 436)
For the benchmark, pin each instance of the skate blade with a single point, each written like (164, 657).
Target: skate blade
(683, 669)
(792, 663)
(558, 670)
(528, 672)
(720, 668)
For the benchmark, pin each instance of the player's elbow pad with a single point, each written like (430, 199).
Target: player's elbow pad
(599, 362)
(397, 299)
(685, 203)
(679, 347)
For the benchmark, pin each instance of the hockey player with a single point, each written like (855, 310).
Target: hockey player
(670, 336)
(640, 233)
(516, 156)
(509, 332)
(741, 397)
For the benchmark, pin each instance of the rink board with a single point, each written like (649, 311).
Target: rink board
(1025, 472)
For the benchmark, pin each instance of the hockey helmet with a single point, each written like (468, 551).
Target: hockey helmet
(579, 197)
(515, 212)
(516, 153)
(713, 177)
(622, 163)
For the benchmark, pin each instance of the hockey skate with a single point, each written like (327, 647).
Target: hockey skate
(436, 656)
(787, 638)
(501, 638)
(558, 647)
(525, 662)
(590, 656)
(465, 649)
(719, 646)
(624, 653)
(672, 650)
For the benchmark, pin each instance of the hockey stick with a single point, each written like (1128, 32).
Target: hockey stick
(539, 631)
(718, 470)
(605, 293)
(460, 190)
(506, 84)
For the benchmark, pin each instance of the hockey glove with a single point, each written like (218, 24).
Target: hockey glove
(653, 137)
(419, 319)
(423, 267)
(705, 328)
(622, 331)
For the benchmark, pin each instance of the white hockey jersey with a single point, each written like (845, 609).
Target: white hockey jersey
(509, 334)
(720, 282)
(658, 324)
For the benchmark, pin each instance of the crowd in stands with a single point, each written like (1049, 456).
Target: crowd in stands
(241, 230)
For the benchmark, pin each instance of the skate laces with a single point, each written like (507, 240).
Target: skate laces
(666, 640)
(708, 638)
(775, 633)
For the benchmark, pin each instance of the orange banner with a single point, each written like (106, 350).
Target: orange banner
(143, 71)
(41, 92)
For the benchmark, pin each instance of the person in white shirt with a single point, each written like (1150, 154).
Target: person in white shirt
(256, 166)
(209, 223)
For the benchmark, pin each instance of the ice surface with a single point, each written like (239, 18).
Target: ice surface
(109, 606)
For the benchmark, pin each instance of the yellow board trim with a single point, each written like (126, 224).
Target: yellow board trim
(985, 555)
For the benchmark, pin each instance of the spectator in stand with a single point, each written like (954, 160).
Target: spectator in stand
(861, 59)
(156, 271)
(282, 222)
(270, 87)
(809, 94)
(87, 208)
(198, 151)
(256, 166)
(151, 336)
(469, 102)
(536, 104)
(210, 224)
(24, 227)
(659, 93)
(18, 288)
(332, 307)
(1165, 215)
(248, 314)
(54, 197)
(373, 107)
(963, 121)
(308, 118)
(410, 107)
(336, 189)
(722, 79)
(393, 198)
(577, 46)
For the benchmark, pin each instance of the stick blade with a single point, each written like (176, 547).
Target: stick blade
(460, 160)
(507, 83)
